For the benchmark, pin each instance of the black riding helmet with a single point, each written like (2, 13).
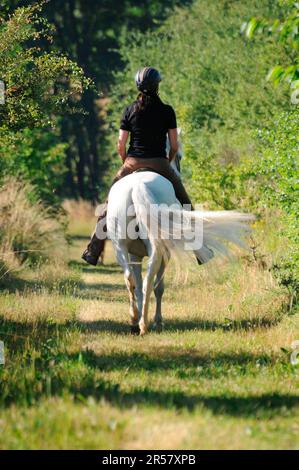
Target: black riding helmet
(147, 80)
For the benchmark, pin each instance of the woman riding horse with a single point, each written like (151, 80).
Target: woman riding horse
(148, 121)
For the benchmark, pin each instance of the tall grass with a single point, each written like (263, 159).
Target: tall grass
(81, 217)
(29, 232)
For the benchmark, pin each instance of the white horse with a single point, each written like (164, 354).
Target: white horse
(130, 202)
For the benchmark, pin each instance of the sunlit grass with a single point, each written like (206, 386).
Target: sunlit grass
(218, 376)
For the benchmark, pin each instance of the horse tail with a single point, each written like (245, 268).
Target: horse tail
(209, 232)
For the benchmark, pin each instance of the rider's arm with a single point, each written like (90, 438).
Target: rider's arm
(173, 141)
(121, 146)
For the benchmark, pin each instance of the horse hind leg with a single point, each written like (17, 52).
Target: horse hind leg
(159, 291)
(131, 283)
(154, 264)
(136, 263)
(123, 259)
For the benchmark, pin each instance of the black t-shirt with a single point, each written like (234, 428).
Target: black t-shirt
(148, 128)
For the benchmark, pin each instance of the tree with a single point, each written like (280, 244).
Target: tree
(214, 78)
(39, 87)
(285, 30)
(90, 32)
(278, 167)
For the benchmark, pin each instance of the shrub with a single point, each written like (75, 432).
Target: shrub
(39, 87)
(28, 231)
(214, 78)
(278, 174)
(35, 155)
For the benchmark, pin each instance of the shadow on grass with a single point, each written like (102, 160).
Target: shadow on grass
(262, 406)
(82, 381)
(80, 237)
(101, 291)
(59, 285)
(106, 326)
(177, 325)
(17, 335)
(69, 287)
(20, 336)
(101, 269)
(226, 325)
(79, 374)
(35, 333)
(191, 363)
(44, 327)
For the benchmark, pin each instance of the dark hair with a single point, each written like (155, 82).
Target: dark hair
(143, 100)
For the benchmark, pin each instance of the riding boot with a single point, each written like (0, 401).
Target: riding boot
(95, 248)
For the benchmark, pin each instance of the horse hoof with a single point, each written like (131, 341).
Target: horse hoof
(143, 330)
(158, 327)
(135, 330)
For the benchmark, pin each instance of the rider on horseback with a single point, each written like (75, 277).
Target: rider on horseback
(148, 121)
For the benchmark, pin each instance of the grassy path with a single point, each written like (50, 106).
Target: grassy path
(219, 376)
